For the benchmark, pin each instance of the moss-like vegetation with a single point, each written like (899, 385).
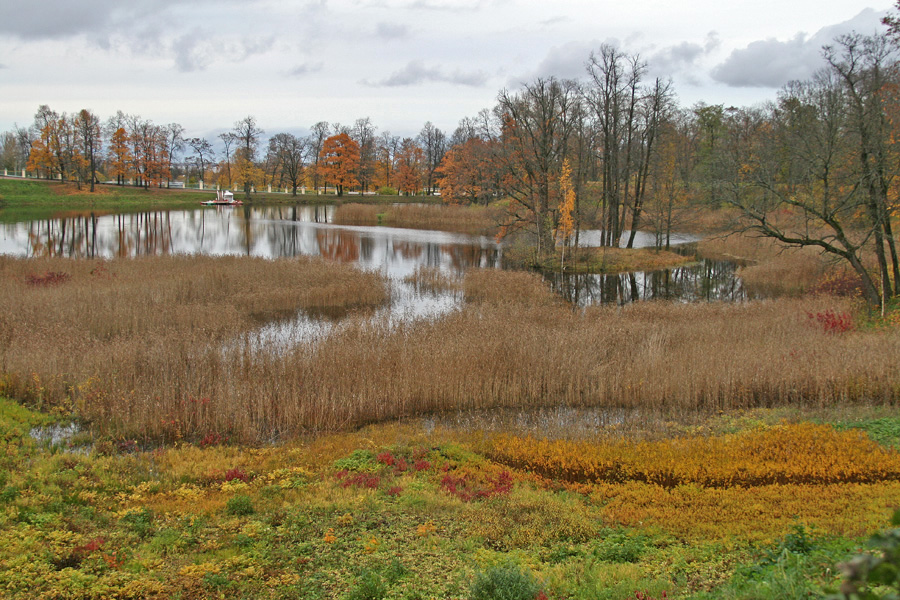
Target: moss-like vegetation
(397, 512)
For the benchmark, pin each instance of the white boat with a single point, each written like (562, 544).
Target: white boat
(225, 198)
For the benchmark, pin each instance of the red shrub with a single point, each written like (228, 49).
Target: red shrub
(236, 473)
(361, 480)
(386, 458)
(48, 278)
(467, 489)
(832, 322)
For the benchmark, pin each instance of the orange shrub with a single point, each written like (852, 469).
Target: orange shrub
(787, 454)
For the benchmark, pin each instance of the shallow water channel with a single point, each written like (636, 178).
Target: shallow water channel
(285, 231)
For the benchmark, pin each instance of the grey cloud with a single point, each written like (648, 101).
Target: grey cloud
(190, 55)
(305, 69)
(192, 51)
(391, 31)
(682, 58)
(563, 62)
(773, 63)
(52, 19)
(416, 73)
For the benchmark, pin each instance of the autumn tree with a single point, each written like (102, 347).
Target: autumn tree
(672, 175)
(16, 146)
(469, 172)
(89, 141)
(537, 122)
(809, 171)
(410, 163)
(339, 161)
(566, 225)
(119, 155)
(866, 66)
(247, 135)
(388, 149)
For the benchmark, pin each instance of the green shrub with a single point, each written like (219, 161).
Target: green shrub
(358, 460)
(620, 547)
(875, 575)
(139, 522)
(369, 586)
(240, 505)
(506, 582)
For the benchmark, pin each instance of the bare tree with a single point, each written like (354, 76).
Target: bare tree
(364, 134)
(317, 136)
(203, 154)
(537, 123)
(289, 151)
(434, 143)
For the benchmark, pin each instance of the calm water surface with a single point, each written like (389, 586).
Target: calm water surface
(286, 231)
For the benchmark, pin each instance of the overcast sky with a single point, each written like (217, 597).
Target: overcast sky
(290, 63)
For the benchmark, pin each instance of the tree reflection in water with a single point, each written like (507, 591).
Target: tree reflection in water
(285, 231)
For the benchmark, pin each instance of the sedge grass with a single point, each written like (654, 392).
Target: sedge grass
(142, 352)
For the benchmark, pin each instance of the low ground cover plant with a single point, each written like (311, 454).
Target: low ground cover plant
(443, 517)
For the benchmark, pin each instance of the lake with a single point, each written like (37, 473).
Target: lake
(285, 231)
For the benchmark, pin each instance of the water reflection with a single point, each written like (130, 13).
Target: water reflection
(707, 280)
(286, 231)
(271, 232)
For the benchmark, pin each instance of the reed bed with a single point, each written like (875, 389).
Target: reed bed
(141, 352)
(429, 279)
(769, 269)
(462, 219)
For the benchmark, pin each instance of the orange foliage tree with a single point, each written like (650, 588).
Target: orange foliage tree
(119, 156)
(468, 172)
(338, 161)
(410, 162)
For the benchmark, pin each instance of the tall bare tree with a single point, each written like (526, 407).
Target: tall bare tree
(537, 122)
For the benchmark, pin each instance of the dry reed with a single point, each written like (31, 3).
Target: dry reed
(463, 219)
(514, 345)
(769, 269)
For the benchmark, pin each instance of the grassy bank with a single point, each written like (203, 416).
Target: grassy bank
(23, 199)
(166, 348)
(398, 512)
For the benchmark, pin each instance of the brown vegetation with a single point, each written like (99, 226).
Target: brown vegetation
(463, 219)
(177, 357)
(598, 260)
(768, 267)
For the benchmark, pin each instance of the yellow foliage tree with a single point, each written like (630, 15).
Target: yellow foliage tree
(566, 224)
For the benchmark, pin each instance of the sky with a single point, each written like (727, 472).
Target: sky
(291, 63)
